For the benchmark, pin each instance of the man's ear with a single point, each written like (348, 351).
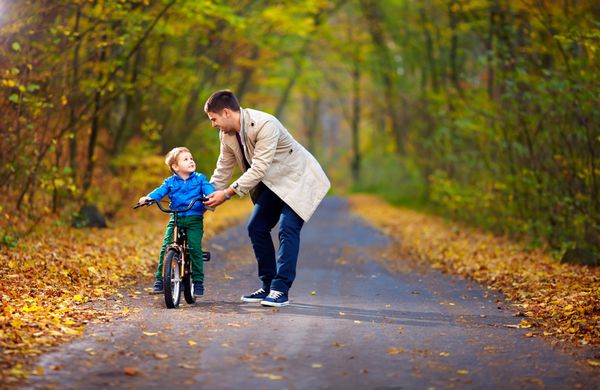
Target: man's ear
(226, 112)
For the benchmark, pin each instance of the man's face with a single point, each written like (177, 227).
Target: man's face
(224, 121)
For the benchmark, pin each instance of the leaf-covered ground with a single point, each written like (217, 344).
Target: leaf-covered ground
(560, 300)
(47, 278)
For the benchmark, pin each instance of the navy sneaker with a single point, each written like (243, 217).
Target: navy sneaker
(158, 287)
(275, 299)
(198, 289)
(256, 296)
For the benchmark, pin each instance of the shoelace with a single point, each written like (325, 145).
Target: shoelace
(275, 294)
(258, 292)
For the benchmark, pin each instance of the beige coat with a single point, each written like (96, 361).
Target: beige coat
(276, 159)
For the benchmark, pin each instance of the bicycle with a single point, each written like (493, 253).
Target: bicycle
(177, 267)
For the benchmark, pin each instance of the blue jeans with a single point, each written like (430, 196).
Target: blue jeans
(275, 274)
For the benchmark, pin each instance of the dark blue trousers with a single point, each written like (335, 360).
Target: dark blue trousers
(276, 273)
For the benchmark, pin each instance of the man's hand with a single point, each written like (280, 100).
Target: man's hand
(215, 199)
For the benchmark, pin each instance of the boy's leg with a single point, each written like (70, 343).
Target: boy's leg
(290, 225)
(195, 231)
(166, 242)
(264, 217)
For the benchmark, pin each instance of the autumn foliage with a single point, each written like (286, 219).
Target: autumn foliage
(560, 300)
(47, 278)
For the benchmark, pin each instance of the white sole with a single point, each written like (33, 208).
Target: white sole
(274, 304)
(251, 300)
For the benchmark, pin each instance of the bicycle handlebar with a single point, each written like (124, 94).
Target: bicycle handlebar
(153, 201)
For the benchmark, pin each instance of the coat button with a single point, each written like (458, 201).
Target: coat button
(252, 124)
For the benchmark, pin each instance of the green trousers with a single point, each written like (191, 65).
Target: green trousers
(194, 225)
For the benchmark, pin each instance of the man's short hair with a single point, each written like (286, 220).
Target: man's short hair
(220, 100)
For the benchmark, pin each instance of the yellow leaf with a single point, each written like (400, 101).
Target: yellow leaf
(269, 376)
(192, 343)
(78, 298)
(593, 363)
(150, 333)
(462, 372)
(444, 353)
(336, 344)
(394, 351)
(161, 356)
(313, 293)
(316, 365)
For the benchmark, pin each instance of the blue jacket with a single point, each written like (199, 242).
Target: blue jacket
(182, 192)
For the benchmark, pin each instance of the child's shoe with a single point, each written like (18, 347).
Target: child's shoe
(158, 287)
(198, 289)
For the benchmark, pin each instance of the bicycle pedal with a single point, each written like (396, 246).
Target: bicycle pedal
(205, 256)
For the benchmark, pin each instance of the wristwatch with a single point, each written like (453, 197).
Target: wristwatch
(227, 196)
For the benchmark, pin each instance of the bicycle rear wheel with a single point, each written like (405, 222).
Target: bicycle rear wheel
(188, 289)
(172, 279)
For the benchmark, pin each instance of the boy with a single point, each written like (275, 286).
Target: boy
(184, 186)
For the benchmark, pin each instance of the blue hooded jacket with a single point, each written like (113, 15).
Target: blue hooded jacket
(182, 192)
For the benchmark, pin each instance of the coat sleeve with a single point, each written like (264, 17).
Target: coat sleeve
(206, 187)
(265, 148)
(225, 166)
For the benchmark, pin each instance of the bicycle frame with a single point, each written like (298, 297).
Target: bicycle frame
(179, 247)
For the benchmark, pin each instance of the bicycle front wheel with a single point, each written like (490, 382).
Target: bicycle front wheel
(172, 279)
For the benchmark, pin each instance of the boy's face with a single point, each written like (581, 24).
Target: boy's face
(185, 164)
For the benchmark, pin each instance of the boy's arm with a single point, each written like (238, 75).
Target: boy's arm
(160, 192)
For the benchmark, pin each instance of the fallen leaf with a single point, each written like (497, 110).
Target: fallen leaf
(131, 371)
(444, 353)
(462, 372)
(161, 356)
(593, 363)
(192, 343)
(270, 376)
(336, 344)
(150, 333)
(316, 365)
(313, 293)
(395, 351)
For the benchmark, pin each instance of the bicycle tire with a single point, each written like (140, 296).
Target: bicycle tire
(188, 289)
(172, 279)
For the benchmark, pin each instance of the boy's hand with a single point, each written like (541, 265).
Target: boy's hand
(144, 199)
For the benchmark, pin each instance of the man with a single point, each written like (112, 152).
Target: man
(285, 182)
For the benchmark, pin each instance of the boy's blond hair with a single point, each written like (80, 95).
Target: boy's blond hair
(171, 157)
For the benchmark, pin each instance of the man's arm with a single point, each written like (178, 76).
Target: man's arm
(265, 148)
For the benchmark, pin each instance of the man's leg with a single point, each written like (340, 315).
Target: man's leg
(264, 217)
(290, 225)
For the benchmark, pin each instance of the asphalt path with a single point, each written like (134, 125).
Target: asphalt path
(351, 324)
